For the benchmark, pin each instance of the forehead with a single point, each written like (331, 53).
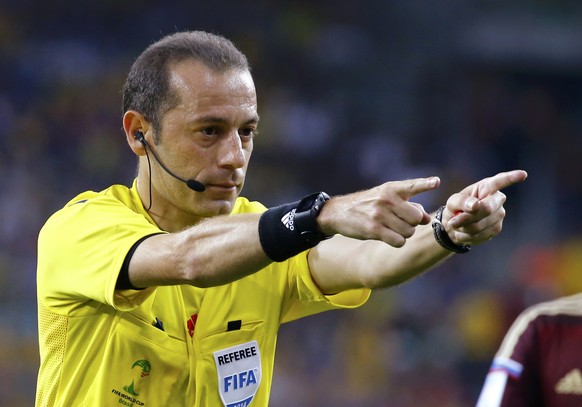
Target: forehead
(199, 87)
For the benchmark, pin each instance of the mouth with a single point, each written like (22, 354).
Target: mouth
(225, 187)
(227, 183)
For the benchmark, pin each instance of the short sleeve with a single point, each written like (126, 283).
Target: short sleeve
(305, 298)
(81, 250)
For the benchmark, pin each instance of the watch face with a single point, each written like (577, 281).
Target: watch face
(306, 215)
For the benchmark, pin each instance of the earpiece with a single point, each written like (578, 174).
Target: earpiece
(138, 135)
(191, 183)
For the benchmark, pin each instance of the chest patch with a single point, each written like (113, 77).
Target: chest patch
(239, 373)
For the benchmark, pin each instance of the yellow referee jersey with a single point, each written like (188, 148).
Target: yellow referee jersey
(162, 346)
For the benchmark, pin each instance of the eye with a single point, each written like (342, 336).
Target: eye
(248, 133)
(209, 131)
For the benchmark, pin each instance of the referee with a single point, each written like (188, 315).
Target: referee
(171, 291)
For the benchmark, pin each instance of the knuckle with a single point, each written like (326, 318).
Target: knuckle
(374, 229)
(412, 185)
(397, 241)
(376, 214)
(408, 232)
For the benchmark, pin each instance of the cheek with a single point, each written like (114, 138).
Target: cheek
(194, 159)
(249, 151)
(247, 159)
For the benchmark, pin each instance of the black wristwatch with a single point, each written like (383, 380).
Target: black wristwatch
(442, 237)
(306, 217)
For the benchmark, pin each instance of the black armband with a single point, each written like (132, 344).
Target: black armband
(287, 230)
(442, 237)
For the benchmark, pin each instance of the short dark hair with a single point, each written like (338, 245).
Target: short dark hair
(147, 88)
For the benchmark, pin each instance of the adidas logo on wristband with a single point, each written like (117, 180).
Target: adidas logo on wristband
(289, 219)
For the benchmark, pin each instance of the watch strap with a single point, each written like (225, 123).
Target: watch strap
(442, 237)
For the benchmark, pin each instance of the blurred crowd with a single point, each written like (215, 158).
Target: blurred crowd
(351, 95)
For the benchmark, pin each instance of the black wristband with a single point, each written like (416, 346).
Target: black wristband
(442, 237)
(287, 230)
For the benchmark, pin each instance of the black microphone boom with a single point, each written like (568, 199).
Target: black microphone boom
(191, 183)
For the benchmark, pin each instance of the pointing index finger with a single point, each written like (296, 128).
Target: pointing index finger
(408, 188)
(498, 182)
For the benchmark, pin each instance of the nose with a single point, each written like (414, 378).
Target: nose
(232, 153)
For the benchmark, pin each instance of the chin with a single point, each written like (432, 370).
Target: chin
(216, 208)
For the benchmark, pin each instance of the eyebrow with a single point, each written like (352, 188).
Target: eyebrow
(220, 120)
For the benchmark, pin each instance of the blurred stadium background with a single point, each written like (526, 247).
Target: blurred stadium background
(351, 94)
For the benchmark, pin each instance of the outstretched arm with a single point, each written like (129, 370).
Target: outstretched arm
(226, 248)
(402, 243)
(382, 239)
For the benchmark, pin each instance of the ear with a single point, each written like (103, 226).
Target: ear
(133, 122)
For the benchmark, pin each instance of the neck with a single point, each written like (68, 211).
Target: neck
(167, 216)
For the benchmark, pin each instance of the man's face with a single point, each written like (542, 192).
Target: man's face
(208, 136)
